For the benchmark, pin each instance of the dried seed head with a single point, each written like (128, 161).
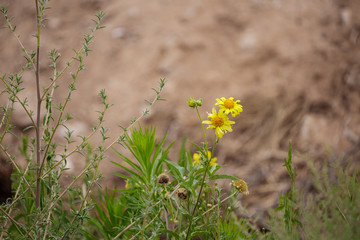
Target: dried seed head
(182, 193)
(241, 186)
(163, 179)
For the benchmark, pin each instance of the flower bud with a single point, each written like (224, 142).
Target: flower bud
(191, 103)
(194, 103)
(199, 102)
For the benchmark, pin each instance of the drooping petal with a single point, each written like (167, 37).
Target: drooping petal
(219, 132)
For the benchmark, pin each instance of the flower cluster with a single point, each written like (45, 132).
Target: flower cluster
(219, 120)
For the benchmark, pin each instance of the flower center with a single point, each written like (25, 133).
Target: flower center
(228, 103)
(218, 121)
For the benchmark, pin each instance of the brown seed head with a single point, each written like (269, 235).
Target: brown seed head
(163, 179)
(182, 193)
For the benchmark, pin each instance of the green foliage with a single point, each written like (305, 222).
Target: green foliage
(111, 213)
(148, 154)
(151, 206)
(331, 212)
(286, 201)
(45, 205)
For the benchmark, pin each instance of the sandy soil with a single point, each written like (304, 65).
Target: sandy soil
(293, 64)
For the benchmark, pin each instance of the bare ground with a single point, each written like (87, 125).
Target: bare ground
(293, 64)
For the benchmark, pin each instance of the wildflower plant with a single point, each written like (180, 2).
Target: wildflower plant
(165, 198)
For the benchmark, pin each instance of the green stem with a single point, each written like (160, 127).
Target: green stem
(37, 129)
(57, 123)
(21, 102)
(203, 129)
(18, 226)
(203, 179)
(146, 213)
(56, 77)
(198, 198)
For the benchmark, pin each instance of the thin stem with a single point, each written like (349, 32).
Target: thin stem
(198, 199)
(213, 207)
(61, 73)
(47, 224)
(87, 194)
(17, 168)
(146, 226)
(8, 20)
(58, 122)
(133, 123)
(21, 102)
(203, 129)
(8, 115)
(204, 176)
(166, 222)
(132, 224)
(52, 204)
(9, 209)
(37, 129)
(124, 230)
(15, 222)
(145, 215)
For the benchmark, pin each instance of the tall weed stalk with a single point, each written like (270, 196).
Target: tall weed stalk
(43, 206)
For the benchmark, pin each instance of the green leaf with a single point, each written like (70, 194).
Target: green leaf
(176, 169)
(222, 176)
(127, 160)
(182, 154)
(139, 178)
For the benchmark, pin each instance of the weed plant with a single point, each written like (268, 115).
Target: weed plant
(162, 199)
(330, 211)
(41, 206)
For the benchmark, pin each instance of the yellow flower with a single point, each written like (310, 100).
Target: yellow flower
(213, 161)
(229, 106)
(127, 185)
(220, 122)
(241, 186)
(196, 158)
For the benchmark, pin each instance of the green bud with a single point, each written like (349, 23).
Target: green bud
(194, 103)
(191, 102)
(199, 102)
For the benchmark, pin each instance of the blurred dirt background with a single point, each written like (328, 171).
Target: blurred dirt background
(293, 64)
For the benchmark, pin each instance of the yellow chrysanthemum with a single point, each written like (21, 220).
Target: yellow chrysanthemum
(220, 122)
(196, 158)
(229, 106)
